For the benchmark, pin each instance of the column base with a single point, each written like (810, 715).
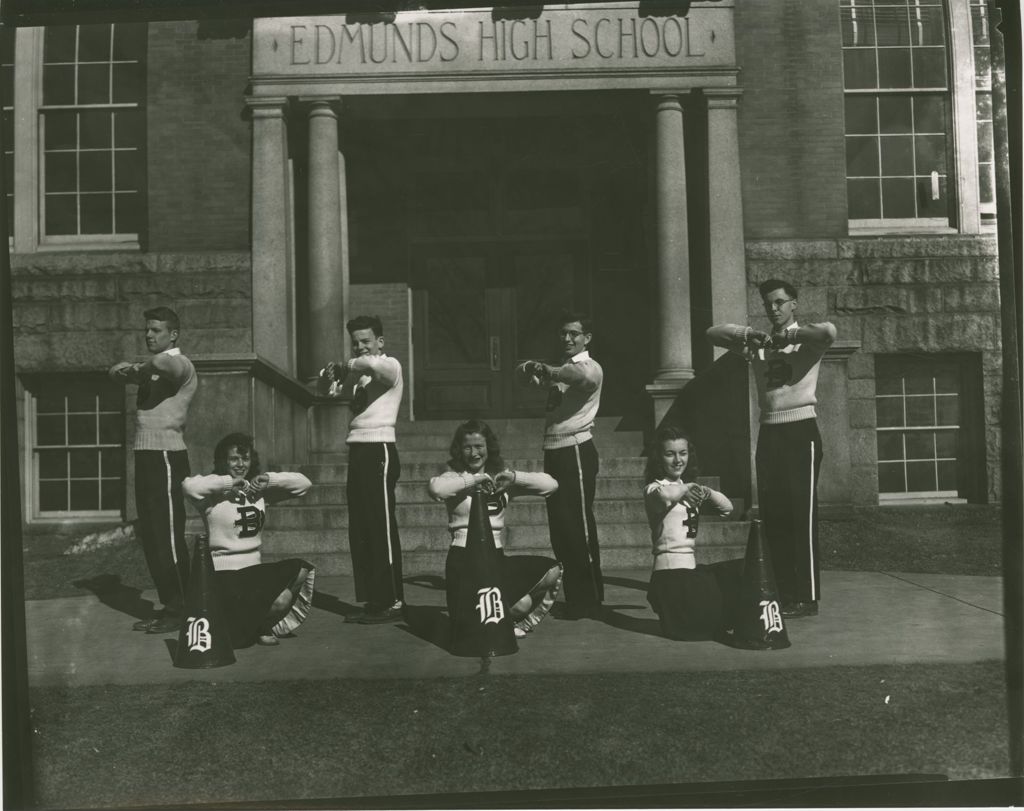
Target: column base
(664, 390)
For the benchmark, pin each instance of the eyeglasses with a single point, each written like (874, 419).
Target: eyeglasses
(570, 333)
(777, 303)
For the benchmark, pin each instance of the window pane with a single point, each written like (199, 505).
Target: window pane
(61, 215)
(947, 476)
(886, 384)
(858, 25)
(49, 403)
(61, 171)
(986, 183)
(928, 203)
(985, 149)
(983, 106)
(96, 171)
(84, 464)
(50, 430)
(59, 43)
(920, 445)
(112, 494)
(889, 411)
(894, 113)
(894, 67)
(93, 84)
(930, 25)
(59, 84)
(890, 477)
(919, 381)
(929, 114)
(85, 495)
(94, 43)
(94, 129)
(920, 411)
(111, 399)
(931, 153)
(859, 69)
(97, 214)
(111, 429)
(979, 24)
(126, 171)
(127, 213)
(982, 66)
(892, 26)
(929, 67)
(129, 41)
(81, 429)
(60, 130)
(898, 198)
(862, 199)
(890, 445)
(897, 155)
(947, 381)
(112, 462)
(921, 477)
(81, 401)
(128, 83)
(53, 464)
(862, 156)
(53, 496)
(948, 407)
(128, 128)
(945, 444)
(861, 115)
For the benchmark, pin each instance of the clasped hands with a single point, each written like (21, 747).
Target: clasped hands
(538, 371)
(498, 483)
(756, 339)
(695, 494)
(254, 488)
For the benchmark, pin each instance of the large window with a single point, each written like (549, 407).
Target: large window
(77, 447)
(926, 416)
(92, 132)
(897, 111)
(983, 100)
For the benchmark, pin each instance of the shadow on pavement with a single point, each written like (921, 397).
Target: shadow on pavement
(427, 581)
(429, 623)
(115, 594)
(634, 625)
(328, 602)
(625, 582)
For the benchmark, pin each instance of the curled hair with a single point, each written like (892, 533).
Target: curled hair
(243, 442)
(494, 463)
(366, 322)
(655, 468)
(165, 314)
(771, 285)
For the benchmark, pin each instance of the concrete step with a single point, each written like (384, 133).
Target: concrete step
(415, 492)
(713, 533)
(413, 471)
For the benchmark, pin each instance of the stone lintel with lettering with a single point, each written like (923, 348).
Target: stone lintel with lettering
(600, 46)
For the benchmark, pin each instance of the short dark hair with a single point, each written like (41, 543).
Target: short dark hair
(243, 442)
(494, 464)
(777, 284)
(165, 314)
(568, 316)
(655, 469)
(366, 322)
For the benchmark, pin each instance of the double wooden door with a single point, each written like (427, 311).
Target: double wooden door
(480, 309)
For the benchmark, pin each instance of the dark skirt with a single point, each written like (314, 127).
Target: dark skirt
(246, 596)
(696, 604)
(521, 576)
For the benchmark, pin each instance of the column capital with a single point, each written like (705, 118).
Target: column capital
(722, 97)
(267, 106)
(669, 98)
(321, 105)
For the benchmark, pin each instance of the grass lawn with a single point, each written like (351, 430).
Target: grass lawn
(209, 742)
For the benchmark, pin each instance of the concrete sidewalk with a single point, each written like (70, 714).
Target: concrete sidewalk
(866, 618)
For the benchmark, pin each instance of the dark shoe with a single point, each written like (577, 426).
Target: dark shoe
(165, 625)
(144, 625)
(385, 615)
(796, 610)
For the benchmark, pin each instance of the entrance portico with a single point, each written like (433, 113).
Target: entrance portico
(304, 69)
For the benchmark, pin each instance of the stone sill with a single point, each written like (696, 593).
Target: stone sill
(887, 246)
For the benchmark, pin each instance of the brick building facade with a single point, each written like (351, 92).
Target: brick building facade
(561, 181)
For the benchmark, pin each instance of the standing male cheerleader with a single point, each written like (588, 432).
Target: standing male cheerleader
(788, 457)
(374, 381)
(167, 382)
(574, 395)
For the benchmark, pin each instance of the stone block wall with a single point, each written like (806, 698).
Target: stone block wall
(926, 294)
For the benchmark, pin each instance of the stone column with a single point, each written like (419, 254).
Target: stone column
(674, 352)
(273, 287)
(326, 303)
(728, 259)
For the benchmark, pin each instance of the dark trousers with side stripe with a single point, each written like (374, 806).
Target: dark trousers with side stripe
(788, 461)
(161, 507)
(373, 471)
(572, 525)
